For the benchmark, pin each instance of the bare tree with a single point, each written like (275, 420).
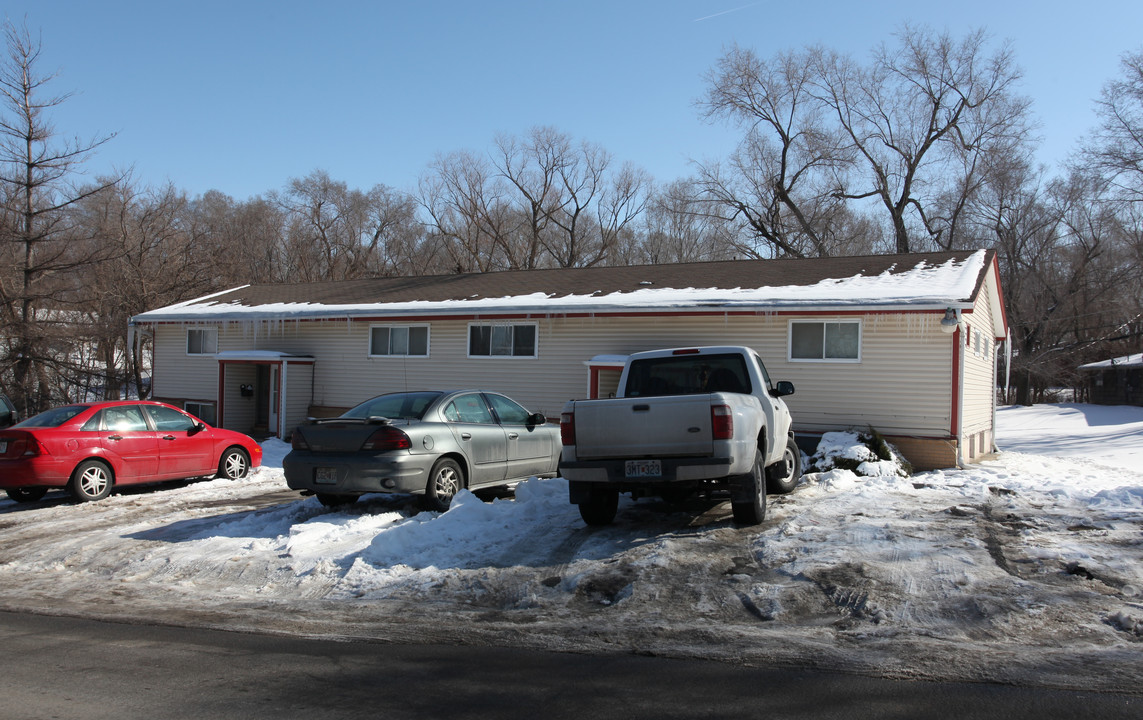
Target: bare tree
(467, 216)
(679, 226)
(920, 117)
(37, 170)
(572, 207)
(337, 233)
(779, 184)
(1115, 150)
(906, 132)
(245, 239)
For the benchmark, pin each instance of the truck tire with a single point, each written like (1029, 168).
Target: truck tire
(753, 510)
(600, 506)
(778, 483)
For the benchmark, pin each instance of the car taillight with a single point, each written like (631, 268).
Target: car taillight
(387, 437)
(567, 428)
(298, 442)
(721, 422)
(34, 448)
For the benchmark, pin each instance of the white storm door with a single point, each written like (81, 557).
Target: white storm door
(275, 392)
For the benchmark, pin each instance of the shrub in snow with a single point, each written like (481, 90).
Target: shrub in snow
(862, 452)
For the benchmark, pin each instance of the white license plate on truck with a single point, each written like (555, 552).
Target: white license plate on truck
(325, 476)
(643, 468)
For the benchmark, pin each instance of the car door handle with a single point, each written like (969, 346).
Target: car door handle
(466, 436)
(512, 436)
(168, 437)
(116, 438)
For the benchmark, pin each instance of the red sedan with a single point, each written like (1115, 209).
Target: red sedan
(89, 448)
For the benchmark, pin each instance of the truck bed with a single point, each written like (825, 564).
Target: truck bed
(669, 426)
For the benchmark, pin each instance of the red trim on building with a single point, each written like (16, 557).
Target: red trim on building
(956, 361)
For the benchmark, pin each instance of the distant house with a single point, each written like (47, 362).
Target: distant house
(1118, 381)
(905, 344)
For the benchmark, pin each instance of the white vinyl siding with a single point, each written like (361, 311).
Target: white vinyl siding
(296, 402)
(979, 390)
(903, 384)
(177, 374)
(240, 412)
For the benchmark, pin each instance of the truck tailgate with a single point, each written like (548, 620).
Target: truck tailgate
(643, 427)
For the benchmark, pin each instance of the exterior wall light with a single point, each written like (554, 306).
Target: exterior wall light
(950, 322)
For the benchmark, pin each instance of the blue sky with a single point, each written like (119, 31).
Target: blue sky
(241, 96)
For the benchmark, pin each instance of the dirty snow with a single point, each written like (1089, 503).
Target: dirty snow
(1027, 568)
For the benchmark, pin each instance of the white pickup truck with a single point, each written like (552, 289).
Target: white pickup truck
(687, 420)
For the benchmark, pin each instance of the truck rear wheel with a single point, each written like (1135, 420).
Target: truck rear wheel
(600, 506)
(778, 483)
(749, 504)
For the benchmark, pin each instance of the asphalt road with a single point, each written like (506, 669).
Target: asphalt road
(83, 670)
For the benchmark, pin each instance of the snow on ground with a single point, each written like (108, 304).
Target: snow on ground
(1026, 569)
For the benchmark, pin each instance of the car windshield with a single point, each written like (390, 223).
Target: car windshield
(407, 406)
(52, 418)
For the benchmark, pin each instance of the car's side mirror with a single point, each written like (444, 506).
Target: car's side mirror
(783, 388)
(198, 427)
(537, 419)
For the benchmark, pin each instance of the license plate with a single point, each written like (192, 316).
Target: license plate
(644, 468)
(325, 476)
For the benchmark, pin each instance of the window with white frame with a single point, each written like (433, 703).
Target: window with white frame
(502, 340)
(825, 341)
(202, 341)
(202, 410)
(399, 340)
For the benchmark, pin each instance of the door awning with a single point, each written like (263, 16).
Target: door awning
(268, 356)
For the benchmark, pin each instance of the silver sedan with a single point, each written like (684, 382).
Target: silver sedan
(429, 443)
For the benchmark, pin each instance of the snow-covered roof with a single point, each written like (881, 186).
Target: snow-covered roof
(1135, 360)
(917, 281)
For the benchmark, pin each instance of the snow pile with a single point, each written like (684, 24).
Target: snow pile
(863, 453)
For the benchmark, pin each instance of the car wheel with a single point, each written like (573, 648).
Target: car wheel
(750, 506)
(600, 507)
(91, 480)
(26, 494)
(445, 481)
(330, 500)
(782, 484)
(235, 463)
